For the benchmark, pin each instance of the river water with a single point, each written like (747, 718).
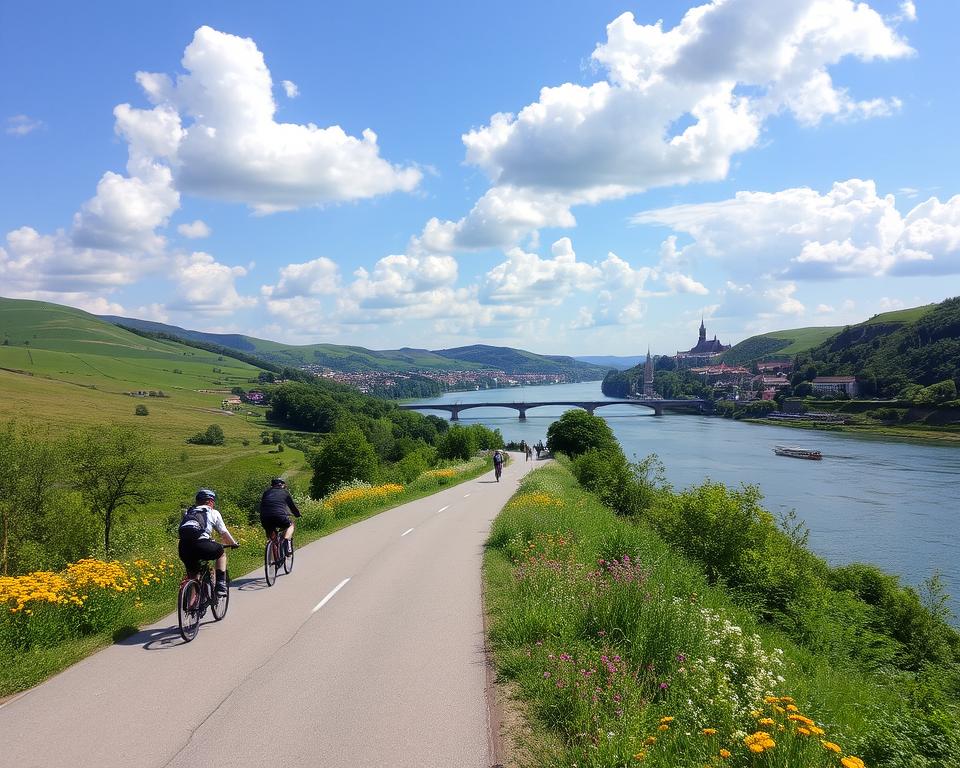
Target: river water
(893, 503)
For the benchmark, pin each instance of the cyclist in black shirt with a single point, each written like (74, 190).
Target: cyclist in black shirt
(276, 504)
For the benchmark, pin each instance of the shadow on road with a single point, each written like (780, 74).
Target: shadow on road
(249, 584)
(158, 638)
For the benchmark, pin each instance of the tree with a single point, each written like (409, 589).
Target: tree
(577, 431)
(141, 410)
(212, 436)
(114, 469)
(343, 457)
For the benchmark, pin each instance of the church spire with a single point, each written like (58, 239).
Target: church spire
(703, 330)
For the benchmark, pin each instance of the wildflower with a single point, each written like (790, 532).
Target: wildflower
(709, 731)
(803, 731)
(640, 755)
(851, 762)
(766, 721)
(831, 746)
(650, 740)
(724, 753)
(663, 727)
(667, 719)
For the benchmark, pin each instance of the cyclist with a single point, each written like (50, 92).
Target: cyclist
(497, 463)
(276, 504)
(196, 543)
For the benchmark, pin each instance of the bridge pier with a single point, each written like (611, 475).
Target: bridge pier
(454, 413)
(523, 413)
(589, 409)
(657, 410)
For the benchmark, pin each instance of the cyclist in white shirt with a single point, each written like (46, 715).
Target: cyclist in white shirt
(196, 542)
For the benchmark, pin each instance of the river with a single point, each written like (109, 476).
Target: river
(889, 502)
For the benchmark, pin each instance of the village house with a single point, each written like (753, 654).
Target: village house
(835, 384)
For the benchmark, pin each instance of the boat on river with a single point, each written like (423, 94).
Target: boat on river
(797, 453)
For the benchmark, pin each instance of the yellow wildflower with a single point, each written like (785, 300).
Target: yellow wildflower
(709, 731)
(851, 762)
(831, 746)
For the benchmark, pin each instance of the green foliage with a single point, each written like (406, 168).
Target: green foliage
(894, 351)
(577, 432)
(574, 592)
(628, 489)
(460, 442)
(344, 456)
(115, 469)
(212, 435)
(938, 393)
(141, 410)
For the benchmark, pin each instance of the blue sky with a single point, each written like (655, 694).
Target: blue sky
(587, 178)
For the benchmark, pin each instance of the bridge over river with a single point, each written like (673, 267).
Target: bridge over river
(656, 405)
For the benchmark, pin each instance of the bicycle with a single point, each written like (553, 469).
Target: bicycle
(197, 593)
(275, 558)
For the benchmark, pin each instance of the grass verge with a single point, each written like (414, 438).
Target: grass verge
(64, 617)
(620, 653)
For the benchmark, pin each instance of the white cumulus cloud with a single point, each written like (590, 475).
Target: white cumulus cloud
(207, 287)
(799, 233)
(674, 108)
(194, 230)
(290, 88)
(21, 125)
(215, 125)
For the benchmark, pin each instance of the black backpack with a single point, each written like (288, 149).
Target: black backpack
(193, 524)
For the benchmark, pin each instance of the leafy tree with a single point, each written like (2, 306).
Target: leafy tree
(577, 431)
(458, 443)
(114, 469)
(212, 436)
(141, 410)
(344, 456)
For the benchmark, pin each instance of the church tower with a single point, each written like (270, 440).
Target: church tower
(703, 331)
(648, 375)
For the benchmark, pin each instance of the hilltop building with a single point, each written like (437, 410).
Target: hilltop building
(705, 352)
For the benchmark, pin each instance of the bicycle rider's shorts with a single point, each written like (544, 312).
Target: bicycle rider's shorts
(273, 522)
(192, 552)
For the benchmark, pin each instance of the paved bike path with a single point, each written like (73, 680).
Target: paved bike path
(370, 653)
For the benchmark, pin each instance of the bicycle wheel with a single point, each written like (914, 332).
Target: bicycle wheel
(219, 603)
(288, 559)
(188, 610)
(269, 570)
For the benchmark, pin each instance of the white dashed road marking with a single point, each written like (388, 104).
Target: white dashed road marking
(409, 530)
(330, 594)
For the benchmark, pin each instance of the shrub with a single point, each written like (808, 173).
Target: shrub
(343, 457)
(212, 436)
(141, 410)
(577, 432)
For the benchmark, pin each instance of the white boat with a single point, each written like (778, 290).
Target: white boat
(797, 453)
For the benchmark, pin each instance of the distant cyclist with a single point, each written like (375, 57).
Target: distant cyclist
(276, 505)
(196, 544)
(497, 463)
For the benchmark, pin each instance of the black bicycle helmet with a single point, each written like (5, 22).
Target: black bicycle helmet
(278, 482)
(205, 494)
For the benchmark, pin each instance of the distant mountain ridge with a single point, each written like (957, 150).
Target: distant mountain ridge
(617, 362)
(359, 359)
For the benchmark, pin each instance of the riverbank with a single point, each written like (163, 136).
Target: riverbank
(913, 433)
(621, 649)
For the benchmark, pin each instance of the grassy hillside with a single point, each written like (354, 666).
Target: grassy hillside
(62, 369)
(777, 345)
(894, 351)
(359, 359)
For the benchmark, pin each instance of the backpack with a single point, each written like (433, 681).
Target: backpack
(193, 524)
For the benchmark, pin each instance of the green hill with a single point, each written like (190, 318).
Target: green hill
(56, 342)
(894, 351)
(520, 361)
(777, 345)
(352, 359)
